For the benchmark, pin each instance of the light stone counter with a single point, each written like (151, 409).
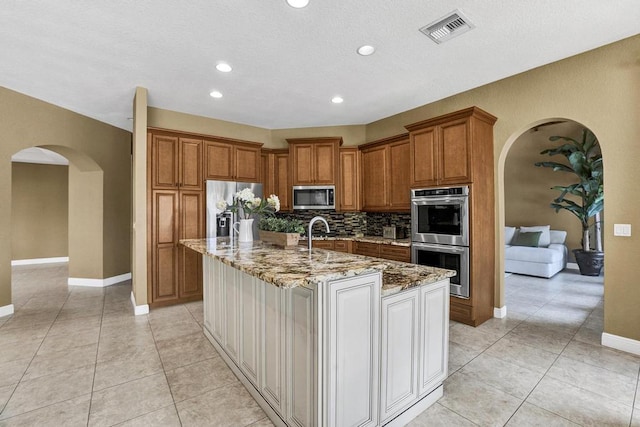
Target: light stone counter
(297, 267)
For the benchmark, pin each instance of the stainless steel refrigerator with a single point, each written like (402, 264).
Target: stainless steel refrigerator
(220, 224)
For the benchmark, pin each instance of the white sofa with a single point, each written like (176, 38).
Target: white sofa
(545, 260)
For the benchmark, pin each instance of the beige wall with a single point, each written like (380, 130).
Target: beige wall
(527, 188)
(165, 119)
(89, 145)
(39, 210)
(601, 90)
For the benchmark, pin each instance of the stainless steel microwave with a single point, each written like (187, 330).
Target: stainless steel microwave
(314, 197)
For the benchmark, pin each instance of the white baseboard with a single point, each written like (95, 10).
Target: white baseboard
(138, 309)
(39, 260)
(500, 312)
(98, 283)
(572, 265)
(621, 343)
(6, 310)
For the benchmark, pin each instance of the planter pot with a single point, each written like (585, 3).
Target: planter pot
(590, 263)
(282, 240)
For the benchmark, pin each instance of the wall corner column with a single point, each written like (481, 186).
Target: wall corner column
(139, 214)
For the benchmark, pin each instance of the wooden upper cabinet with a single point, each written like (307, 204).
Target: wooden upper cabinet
(375, 178)
(386, 174)
(424, 152)
(314, 161)
(454, 157)
(399, 175)
(176, 162)
(190, 161)
(445, 149)
(164, 162)
(282, 182)
(349, 179)
(230, 160)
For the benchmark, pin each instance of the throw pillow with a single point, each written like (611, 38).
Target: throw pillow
(524, 238)
(508, 234)
(545, 237)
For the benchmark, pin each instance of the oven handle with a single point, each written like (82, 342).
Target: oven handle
(441, 199)
(441, 248)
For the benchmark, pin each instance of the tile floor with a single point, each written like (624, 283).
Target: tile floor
(77, 356)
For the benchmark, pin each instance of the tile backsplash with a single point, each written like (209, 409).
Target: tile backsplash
(350, 223)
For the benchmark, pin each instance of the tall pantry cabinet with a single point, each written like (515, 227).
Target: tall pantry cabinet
(176, 203)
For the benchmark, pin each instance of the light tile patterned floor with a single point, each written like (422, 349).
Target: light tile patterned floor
(77, 356)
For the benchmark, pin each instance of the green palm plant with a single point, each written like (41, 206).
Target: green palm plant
(584, 159)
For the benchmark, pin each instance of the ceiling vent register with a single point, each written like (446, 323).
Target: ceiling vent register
(448, 27)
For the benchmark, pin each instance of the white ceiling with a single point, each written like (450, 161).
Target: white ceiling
(287, 63)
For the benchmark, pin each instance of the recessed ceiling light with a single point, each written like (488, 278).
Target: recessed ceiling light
(223, 67)
(337, 100)
(366, 50)
(216, 94)
(298, 4)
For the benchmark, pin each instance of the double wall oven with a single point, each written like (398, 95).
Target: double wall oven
(440, 232)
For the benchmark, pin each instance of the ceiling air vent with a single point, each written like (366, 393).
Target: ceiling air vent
(448, 27)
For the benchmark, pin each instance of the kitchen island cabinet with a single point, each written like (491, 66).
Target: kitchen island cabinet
(304, 331)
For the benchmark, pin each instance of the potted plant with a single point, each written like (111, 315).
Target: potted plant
(247, 205)
(584, 159)
(280, 231)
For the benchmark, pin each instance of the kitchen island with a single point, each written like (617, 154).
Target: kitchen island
(327, 338)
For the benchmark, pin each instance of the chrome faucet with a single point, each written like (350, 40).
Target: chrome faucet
(313, 221)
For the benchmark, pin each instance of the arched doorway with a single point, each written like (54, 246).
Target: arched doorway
(527, 190)
(82, 229)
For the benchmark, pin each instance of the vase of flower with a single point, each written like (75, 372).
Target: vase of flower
(244, 230)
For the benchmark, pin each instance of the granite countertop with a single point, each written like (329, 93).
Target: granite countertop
(289, 268)
(365, 239)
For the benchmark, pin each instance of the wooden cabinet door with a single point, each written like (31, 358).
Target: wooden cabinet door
(232, 320)
(454, 153)
(282, 183)
(423, 150)
(399, 356)
(399, 176)
(190, 160)
(434, 340)
(164, 162)
(191, 227)
(164, 241)
(302, 164)
(374, 179)
(267, 173)
(324, 163)
(349, 179)
(219, 161)
(367, 249)
(395, 253)
(323, 244)
(247, 164)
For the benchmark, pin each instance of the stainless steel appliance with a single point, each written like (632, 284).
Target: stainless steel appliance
(393, 232)
(314, 197)
(219, 223)
(440, 232)
(440, 215)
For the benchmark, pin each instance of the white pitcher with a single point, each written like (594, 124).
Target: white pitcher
(244, 228)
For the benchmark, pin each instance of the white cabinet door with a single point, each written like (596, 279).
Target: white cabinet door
(250, 318)
(301, 357)
(434, 340)
(208, 268)
(351, 370)
(272, 347)
(214, 299)
(231, 278)
(399, 352)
